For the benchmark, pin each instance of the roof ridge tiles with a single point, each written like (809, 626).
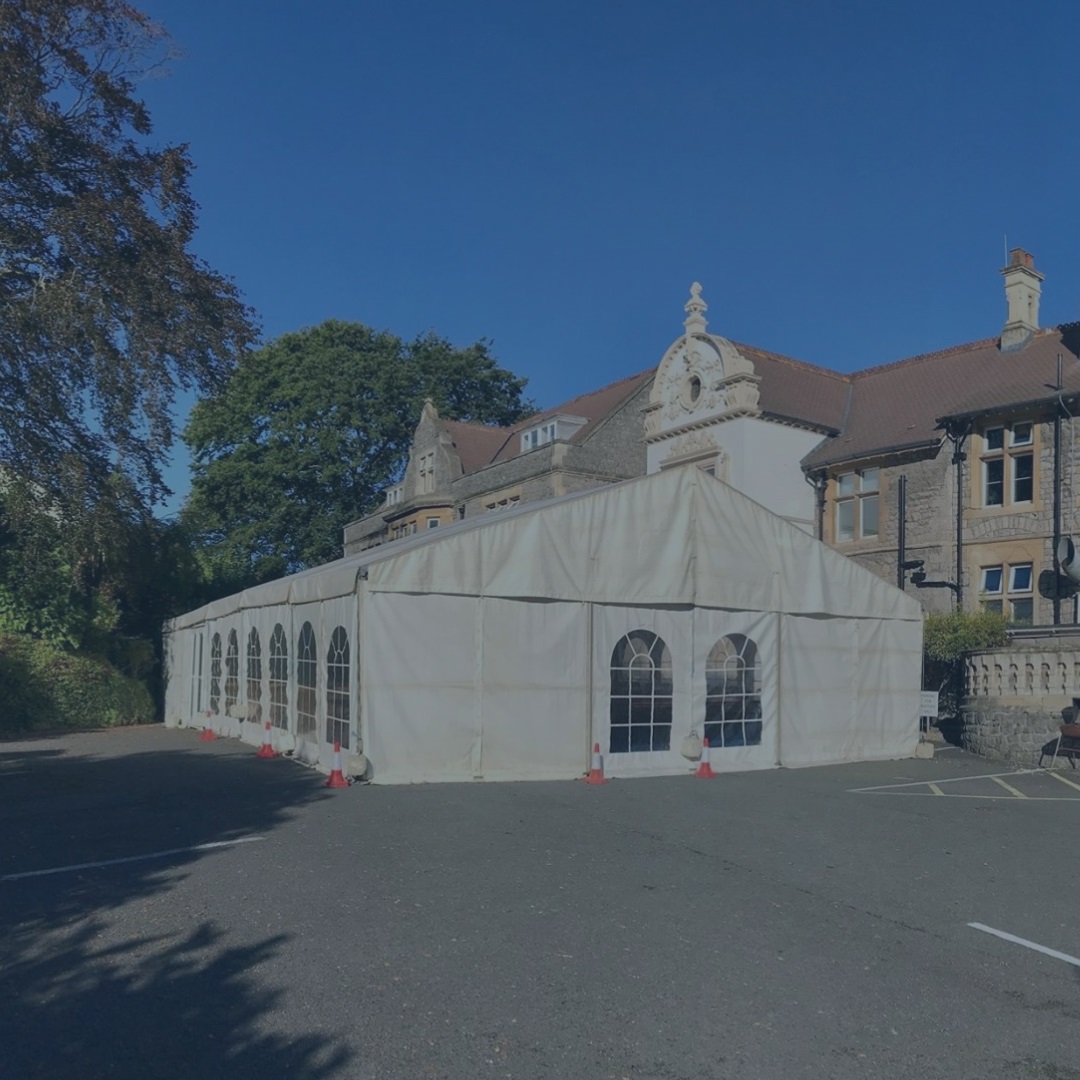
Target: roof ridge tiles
(793, 361)
(937, 354)
(478, 425)
(532, 418)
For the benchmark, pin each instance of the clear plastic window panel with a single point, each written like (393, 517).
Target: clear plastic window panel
(254, 676)
(307, 673)
(279, 678)
(733, 693)
(215, 674)
(641, 692)
(232, 672)
(196, 674)
(337, 689)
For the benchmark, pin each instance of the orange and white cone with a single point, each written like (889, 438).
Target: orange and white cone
(207, 734)
(337, 777)
(266, 750)
(596, 773)
(705, 768)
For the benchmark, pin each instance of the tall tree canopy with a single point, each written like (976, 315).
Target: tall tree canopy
(104, 312)
(310, 429)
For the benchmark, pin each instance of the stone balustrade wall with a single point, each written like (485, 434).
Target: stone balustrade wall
(1016, 700)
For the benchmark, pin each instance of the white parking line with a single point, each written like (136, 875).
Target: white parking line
(948, 780)
(1008, 787)
(1064, 780)
(1027, 944)
(130, 858)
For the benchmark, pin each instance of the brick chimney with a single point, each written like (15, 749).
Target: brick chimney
(1023, 287)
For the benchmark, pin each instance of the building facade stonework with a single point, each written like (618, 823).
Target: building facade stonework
(972, 426)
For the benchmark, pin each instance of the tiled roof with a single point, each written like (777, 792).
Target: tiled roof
(595, 406)
(900, 405)
(794, 390)
(892, 407)
(478, 445)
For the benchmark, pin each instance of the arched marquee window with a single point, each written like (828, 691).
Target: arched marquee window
(279, 678)
(254, 676)
(215, 674)
(307, 669)
(337, 689)
(733, 693)
(232, 672)
(640, 694)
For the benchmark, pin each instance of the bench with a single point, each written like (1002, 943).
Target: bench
(1068, 744)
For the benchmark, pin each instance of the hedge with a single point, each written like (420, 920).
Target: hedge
(44, 687)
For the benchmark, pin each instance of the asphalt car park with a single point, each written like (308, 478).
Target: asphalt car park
(172, 908)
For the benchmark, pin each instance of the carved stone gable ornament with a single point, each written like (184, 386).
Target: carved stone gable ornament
(702, 378)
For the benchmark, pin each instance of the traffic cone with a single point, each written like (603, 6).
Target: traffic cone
(337, 777)
(596, 773)
(207, 734)
(705, 769)
(266, 750)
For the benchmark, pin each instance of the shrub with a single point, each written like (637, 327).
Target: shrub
(946, 637)
(45, 687)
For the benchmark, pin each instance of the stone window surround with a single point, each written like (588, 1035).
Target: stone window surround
(859, 495)
(1009, 584)
(425, 473)
(1013, 449)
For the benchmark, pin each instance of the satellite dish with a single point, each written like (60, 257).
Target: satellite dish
(1067, 558)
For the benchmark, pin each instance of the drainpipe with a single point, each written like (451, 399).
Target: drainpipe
(901, 529)
(958, 434)
(818, 481)
(1057, 496)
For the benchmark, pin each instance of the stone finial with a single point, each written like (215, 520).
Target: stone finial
(695, 309)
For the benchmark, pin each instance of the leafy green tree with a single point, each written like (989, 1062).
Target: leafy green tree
(113, 570)
(104, 311)
(308, 432)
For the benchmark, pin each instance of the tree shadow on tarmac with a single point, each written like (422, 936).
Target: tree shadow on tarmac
(88, 990)
(144, 1009)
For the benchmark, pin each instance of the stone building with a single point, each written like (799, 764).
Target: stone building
(459, 470)
(979, 437)
(745, 415)
(968, 431)
(971, 429)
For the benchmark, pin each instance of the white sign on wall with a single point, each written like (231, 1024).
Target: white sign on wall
(928, 703)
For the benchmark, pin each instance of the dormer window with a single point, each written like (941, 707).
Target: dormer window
(394, 495)
(560, 427)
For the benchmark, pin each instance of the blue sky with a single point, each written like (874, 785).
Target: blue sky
(840, 176)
